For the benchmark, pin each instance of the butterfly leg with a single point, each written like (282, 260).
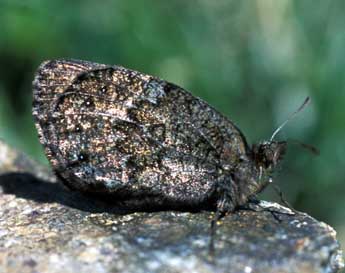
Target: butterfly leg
(254, 204)
(225, 205)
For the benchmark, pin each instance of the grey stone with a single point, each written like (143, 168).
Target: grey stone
(47, 228)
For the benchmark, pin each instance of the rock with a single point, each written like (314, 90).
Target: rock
(47, 228)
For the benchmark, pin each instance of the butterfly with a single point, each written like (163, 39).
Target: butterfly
(124, 135)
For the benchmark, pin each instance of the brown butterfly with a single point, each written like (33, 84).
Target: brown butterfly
(125, 135)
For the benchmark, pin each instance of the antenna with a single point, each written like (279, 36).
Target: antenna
(310, 148)
(304, 104)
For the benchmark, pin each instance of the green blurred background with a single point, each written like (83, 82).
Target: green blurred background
(255, 61)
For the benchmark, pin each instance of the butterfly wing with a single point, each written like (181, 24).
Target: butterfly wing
(114, 130)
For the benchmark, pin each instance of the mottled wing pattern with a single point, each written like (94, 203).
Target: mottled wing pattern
(114, 130)
(52, 79)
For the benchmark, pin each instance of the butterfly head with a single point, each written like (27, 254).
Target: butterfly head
(265, 158)
(268, 154)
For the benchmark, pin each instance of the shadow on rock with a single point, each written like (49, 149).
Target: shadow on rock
(27, 186)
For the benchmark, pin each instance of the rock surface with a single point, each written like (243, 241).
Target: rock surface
(46, 228)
